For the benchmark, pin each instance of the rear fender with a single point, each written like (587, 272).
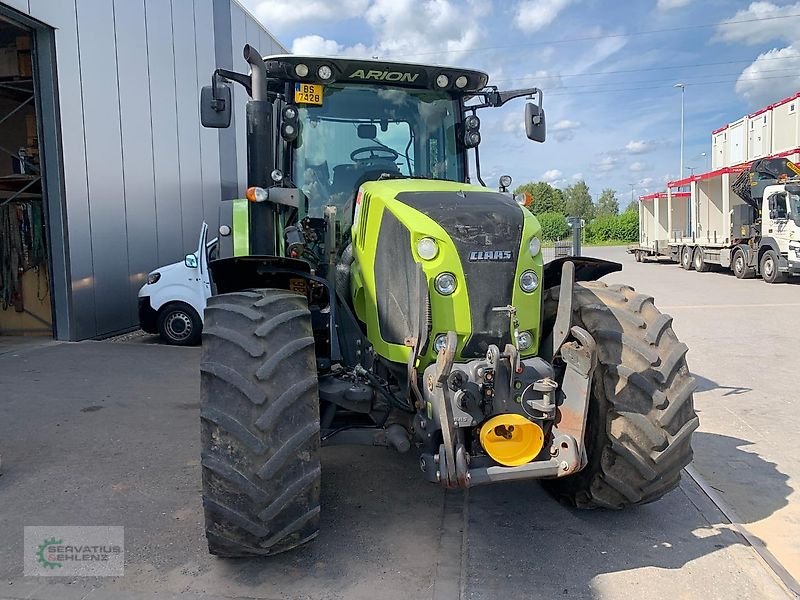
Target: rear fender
(586, 269)
(247, 272)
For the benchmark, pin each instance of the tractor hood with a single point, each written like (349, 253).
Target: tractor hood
(482, 239)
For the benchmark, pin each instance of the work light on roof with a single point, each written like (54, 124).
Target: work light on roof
(461, 81)
(325, 72)
(301, 70)
(442, 81)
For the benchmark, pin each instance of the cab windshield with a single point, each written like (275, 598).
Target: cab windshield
(361, 132)
(794, 207)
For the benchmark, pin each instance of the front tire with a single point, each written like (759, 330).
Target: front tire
(259, 423)
(769, 268)
(641, 413)
(179, 324)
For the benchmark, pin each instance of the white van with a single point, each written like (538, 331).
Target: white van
(172, 301)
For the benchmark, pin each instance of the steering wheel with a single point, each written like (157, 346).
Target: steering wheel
(375, 153)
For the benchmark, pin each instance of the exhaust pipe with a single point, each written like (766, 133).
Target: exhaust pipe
(258, 73)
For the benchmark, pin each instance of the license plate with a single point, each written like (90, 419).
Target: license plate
(308, 93)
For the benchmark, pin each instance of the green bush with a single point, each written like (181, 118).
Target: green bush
(624, 227)
(554, 226)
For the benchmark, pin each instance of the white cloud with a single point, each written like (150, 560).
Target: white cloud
(638, 167)
(552, 176)
(638, 147)
(533, 15)
(577, 177)
(770, 26)
(670, 4)
(318, 45)
(282, 14)
(646, 182)
(428, 31)
(606, 164)
(564, 129)
(760, 87)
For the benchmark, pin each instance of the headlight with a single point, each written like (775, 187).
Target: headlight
(445, 283)
(524, 340)
(535, 246)
(505, 181)
(528, 281)
(439, 342)
(153, 278)
(427, 248)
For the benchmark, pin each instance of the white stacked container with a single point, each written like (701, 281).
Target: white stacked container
(759, 141)
(737, 142)
(719, 148)
(786, 125)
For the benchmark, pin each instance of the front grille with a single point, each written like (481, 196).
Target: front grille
(479, 222)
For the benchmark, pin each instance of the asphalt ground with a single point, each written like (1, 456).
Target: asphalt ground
(102, 433)
(742, 337)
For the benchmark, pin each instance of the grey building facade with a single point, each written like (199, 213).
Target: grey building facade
(127, 172)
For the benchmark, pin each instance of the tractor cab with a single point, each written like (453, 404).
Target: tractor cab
(343, 122)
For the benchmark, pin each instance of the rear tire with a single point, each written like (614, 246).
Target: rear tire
(686, 258)
(769, 268)
(179, 324)
(700, 264)
(739, 266)
(641, 413)
(259, 423)
(637, 255)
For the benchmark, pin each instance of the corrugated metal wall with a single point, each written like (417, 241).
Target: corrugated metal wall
(140, 173)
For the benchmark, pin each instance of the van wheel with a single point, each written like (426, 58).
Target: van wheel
(179, 324)
(686, 258)
(740, 268)
(769, 268)
(700, 264)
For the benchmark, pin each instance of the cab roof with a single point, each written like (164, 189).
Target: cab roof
(366, 71)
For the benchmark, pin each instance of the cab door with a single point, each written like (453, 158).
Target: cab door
(776, 223)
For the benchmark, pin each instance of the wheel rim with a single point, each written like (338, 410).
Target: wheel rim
(738, 264)
(686, 257)
(698, 260)
(178, 326)
(769, 266)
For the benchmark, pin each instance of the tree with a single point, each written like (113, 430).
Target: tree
(546, 198)
(579, 201)
(607, 204)
(633, 207)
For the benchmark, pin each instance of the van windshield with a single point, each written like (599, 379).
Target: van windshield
(361, 132)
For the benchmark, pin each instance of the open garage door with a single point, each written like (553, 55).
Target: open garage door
(25, 282)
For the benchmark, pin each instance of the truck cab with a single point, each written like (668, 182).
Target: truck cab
(779, 246)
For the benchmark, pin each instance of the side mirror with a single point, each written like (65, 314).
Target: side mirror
(215, 106)
(190, 260)
(535, 127)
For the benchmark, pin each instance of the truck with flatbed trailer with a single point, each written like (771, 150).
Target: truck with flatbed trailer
(744, 218)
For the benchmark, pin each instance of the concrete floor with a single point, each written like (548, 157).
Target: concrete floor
(102, 433)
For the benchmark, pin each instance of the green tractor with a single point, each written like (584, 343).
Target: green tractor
(377, 297)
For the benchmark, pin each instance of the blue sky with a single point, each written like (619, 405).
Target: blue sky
(607, 69)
